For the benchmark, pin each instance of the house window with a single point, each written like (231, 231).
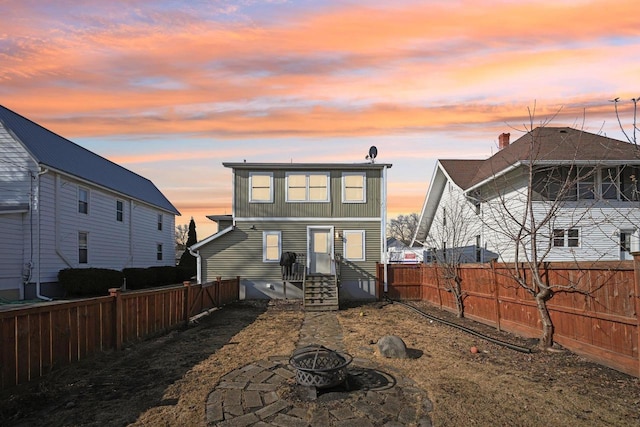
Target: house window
(119, 210)
(566, 238)
(353, 187)
(629, 183)
(83, 200)
(586, 183)
(271, 246)
(477, 206)
(308, 187)
(160, 222)
(83, 247)
(261, 187)
(478, 249)
(609, 183)
(444, 217)
(353, 245)
(159, 251)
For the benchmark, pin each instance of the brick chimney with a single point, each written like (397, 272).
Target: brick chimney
(503, 140)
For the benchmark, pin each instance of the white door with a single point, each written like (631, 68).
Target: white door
(320, 250)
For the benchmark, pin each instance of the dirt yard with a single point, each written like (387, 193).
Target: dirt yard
(165, 381)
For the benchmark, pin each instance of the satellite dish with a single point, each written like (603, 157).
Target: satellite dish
(373, 152)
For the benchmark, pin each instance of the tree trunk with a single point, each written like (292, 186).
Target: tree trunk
(457, 292)
(546, 340)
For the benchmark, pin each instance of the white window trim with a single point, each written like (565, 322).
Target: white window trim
(160, 222)
(270, 175)
(565, 244)
(364, 187)
(119, 212)
(306, 174)
(264, 245)
(159, 251)
(86, 190)
(344, 244)
(86, 247)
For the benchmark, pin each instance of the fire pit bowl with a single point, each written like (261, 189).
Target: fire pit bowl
(320, 367)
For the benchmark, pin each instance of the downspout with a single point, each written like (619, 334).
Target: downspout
(198, 265)
(37, 203)
(383, 231)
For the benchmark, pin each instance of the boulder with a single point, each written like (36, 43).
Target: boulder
(393, 347)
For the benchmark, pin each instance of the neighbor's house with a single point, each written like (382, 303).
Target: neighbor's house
(398, 252)
(589, 182)
(62, 206)
(331, 216)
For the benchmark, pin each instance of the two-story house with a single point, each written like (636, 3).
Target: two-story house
(574, 193)
(296, 223)
(62, 206)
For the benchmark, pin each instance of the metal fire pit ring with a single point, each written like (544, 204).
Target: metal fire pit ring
(320, 367)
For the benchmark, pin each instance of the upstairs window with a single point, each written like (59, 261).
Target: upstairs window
(83, 200)
(119, 210)
(271, 246)
(308, 187)
(261, 187)
(159, 252)
(159, 222)
(629, 188)
(353, 187)
(353, 246)
(83, 247)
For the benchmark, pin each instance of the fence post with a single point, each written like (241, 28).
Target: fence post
(494, 279)
(187, 298)
(636, 276)
(218, 293)
(116, 293)
(437, 277)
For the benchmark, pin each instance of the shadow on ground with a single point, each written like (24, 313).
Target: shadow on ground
(131, 381)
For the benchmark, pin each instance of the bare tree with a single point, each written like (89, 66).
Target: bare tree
(181, 234)
(452, 241)
(546, 206)
(631, 138)
(403, 227)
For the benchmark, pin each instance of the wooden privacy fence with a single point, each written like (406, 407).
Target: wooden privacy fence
(40, 338)
(602, 325)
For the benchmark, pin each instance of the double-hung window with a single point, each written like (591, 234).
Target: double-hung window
(159, 222)
(271, 246)
(261, 187)
(83, 247)
(83, 200)
(159, 252)
(354, 245)
(307, 186)
(119, 210)
(354, 187)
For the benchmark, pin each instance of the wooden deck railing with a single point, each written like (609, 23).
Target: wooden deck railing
(40, 338)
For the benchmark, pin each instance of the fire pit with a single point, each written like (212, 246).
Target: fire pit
(320, 367)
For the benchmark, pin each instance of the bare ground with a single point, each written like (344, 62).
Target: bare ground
(166, 380)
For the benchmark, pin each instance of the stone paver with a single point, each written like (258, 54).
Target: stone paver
(265, 392)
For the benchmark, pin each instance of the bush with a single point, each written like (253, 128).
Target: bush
(140, 278)
(85, 282)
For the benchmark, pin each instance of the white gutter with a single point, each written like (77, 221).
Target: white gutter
(492, 177)
(198, 265)
(196, 247)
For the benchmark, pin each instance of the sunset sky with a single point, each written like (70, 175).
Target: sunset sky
(171, 89)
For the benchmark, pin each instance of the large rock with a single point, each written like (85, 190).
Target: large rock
(392, 346)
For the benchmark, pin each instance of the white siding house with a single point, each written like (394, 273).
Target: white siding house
(584, 195)
(62, 206)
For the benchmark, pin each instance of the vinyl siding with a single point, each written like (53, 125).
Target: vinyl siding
(239, 252)
(280, 208)
(16, 167)
(111, 244)
(12, 258)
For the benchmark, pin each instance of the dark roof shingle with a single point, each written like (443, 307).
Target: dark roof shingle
(52, 150)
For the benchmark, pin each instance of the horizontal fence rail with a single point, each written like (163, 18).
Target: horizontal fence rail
(601, 323)
(40, 338)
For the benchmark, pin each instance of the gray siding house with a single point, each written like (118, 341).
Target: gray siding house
(62, 206)
(331, 216)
